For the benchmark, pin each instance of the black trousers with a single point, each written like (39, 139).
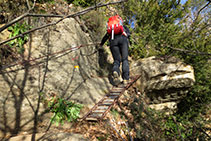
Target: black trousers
(119, 50)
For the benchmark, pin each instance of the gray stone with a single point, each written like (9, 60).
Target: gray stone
(70, 74)
(164, 79)
(50, 137)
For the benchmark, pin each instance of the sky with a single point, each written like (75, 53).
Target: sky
(183, 1)
(132, 24)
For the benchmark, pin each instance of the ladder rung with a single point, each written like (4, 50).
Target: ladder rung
(95, 115)
(113, 93)
(91, 119)
(99, 111)
(108, 100)
(118, 88)
(116, 91)
(102, 107)
(106, 104)
(112, 97)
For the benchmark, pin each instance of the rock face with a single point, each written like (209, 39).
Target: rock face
(164, 79)
(54, 136)
(70, 71)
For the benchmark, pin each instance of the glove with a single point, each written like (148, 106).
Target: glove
(100, 48)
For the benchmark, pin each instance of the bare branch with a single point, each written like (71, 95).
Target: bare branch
(27, 32)
(53, 23)
(29, 15)
(34, 4)
(190, 51)
(28, 5)
(45, 15)
(178, 129)
(13, 21)
(20, 17)
(109, 123)
(201, 10)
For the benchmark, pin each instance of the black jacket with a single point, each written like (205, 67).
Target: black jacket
(107, 36)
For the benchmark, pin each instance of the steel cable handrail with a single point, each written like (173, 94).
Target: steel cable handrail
(24, 62)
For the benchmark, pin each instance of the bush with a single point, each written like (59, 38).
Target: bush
(95, 23)
(63, 110)
(16, 30)
(82, 3)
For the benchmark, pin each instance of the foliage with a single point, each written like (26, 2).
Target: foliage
(12, 9)
(82, 3)
(150, 124)
(200, 96)
(101, 138)
(146, 121)
(63, 110)
(162, 27)
(155, 25)
(178, 131)
(94, 21)
(43, 1)
(16, 30)
(114, 112)
(180, 128)
(6, 55)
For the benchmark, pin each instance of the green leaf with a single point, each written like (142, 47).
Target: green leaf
(10, 28)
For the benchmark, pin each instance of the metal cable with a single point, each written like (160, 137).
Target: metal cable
(27, 62)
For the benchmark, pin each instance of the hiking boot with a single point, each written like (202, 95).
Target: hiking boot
(125, 82)
(116, 78)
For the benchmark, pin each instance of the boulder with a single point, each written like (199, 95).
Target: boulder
(164, 79)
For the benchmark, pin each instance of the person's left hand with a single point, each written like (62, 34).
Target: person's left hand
(100, 47)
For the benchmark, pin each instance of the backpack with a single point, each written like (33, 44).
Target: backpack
(115, 26)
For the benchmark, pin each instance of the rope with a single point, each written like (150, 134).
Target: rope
(24, 62)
